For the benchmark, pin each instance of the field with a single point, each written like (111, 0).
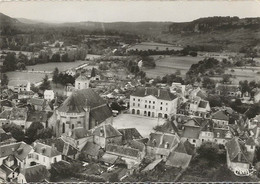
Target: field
(144, 46)
(241, 74)
(46, 67)
(169, 65)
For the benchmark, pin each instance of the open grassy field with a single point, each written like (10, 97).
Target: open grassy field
(62, 66)
(170, 64)
(32, 77)
(241, 74)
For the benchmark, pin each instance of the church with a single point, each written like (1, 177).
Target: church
(83, 108)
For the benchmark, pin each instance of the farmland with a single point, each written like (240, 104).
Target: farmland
(170, 64)
(144, 46)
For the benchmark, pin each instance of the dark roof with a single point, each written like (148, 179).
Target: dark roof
(6, 169)
(190, 148)
(191, 132)
(130, 133)
(250, 141)
(159, 140)
(37, 173)
(91, 148)
(169, 127)
(80, 132)
(207, 125)
(162, 94)
(22, 151)
(177, 160)
(36, 101)
(181, 148)
(81, 99)
(220, 115)
(5, 114)
(106, 130)
(40, 116)
(234, 148)
(122, 150)
(101, 113)
(46, 150)
(136, 145)
(6, 103)
(19, 149)
(203, 104)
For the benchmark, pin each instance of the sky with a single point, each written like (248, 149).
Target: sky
(128, 11)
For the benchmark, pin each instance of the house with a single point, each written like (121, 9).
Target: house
(84, 108)
(153, 102)
(177, 159)
(36, 173)
(19, 85)
(237, 155)
(257, 96)
(221, 136)
(19, 150)
(37, 116)
(191, 134)
(6, 137)
(6, 105)
(9, 169)
(91, 151)
(129, 134)
(37, 103)
(4, 117)
(198, 107)
(160, 145)
(44, 154)
(25, 95)
(131, 156)
(49, 95)
(220, 119)
(105, 134)
(78, 137)
(232, 90)
(18, 116)
(82, 82)
(177, 88)
(68, 89)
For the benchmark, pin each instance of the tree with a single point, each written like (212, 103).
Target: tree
(4, 80)
(208, 151)
(226, 78)
(113, 177)
(208, 83)
(65, 58)
(44, 133)
(15, 130)
(93, 72)
(55, 76)
(32, 131)
(9, 63)
(45, 83)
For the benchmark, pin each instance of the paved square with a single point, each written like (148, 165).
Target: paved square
(142, 123)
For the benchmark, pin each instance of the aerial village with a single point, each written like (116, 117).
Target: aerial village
(104, 120)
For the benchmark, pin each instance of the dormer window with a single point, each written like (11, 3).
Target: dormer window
(218, 134)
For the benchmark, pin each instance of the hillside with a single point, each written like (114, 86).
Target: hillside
(204, 34)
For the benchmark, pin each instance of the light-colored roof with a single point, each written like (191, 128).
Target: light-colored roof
(109, 158)
(46, 150)
(178, 160)
(152, 165)
(106, 130)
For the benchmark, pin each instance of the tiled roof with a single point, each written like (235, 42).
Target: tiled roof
(136, 145)
(36, 101)
(80, 132)
(6, 169)
(109, 158)
(106, 130)
(18, 114)
(40, 116)
(101, 113)
(82, 78)
(81, 99)
(234, 148)
(159, 140)
(6, 103)
(19, 149)
(5, 114)
(161, 94)
(46, 150)
(191, 132)
(220, 115)
(23, 150)
(91, 148)
(130, 133)
(203, 104)
(169, 127)
(250, 141)
(36, 173)
(178, 160)
(122, 150)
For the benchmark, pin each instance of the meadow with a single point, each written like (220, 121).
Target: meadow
(170, 64)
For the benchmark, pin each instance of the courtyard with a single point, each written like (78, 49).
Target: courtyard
(142, 123)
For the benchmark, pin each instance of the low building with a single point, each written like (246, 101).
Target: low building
(49, 95)
(82, 82)
(232, 90)
(37, 103)
(37, 116)
(153, 102)
(19, 85)
(160, 145)
(220, 119)
(18, 116)
(91, 151)
(105, 134)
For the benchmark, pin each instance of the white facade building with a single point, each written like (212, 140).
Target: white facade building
(153, 102)
(49, 95)
(82, 82)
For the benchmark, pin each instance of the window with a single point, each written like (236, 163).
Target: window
(153, 107)
(194, 140)
(138, 105)
(160, 108)
(138, 100)
(133, 99)
(166, 109)
(153, 102)
(149, 107)
(43, 159)
(37, 157)
(145, 106)
(161, 103)
(166, 103)
(133, 104)
(30, 155)
(145, 101)
(149, 101)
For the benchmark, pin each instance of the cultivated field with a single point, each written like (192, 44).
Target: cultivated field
(170, 64)
(144, 46)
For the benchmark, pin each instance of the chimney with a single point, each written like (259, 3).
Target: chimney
(145, 93)
(158, 92)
